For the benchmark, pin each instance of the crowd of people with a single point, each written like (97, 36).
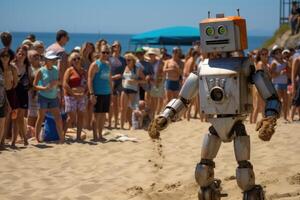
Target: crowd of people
(97, 86)
(282, 67)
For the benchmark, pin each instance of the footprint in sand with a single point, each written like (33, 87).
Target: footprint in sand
(172, 186)
(135, 190)
(284, 195)
(294, 180)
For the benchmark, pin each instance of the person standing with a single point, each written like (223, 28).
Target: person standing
(157, 84)
(46, 83)
(132, 76)
(294, 18)
(87, 51)
(189, 67)
(279, 72)
(118, 64)
(5, 59)
(173, 70)
(261, 63)
(3, 103)
(148, 72)
(62, 38)
(75, 89)
(99, 85)
(22, 65)
(295, 77)
(34, 59)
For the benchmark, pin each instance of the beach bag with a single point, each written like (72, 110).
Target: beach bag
(50, 132)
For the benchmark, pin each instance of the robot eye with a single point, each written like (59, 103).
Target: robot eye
(210, 31)
(222, 30)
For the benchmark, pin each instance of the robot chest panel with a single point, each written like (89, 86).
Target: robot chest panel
(222, 90)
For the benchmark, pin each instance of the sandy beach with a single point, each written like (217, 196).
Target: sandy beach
(145, 169)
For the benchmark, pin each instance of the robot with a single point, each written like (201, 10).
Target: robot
(224, 86)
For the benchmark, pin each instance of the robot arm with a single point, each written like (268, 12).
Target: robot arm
(176, 107)
(268, 93)
(266, 126)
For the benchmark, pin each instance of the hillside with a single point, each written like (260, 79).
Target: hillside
(283, 38)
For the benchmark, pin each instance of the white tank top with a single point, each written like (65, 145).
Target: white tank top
(281, 79)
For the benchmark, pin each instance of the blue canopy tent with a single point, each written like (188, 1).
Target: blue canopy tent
(179, 35)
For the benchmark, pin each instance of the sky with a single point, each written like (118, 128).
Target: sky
(130, 16)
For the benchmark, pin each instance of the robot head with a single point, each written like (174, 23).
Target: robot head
(223, 34)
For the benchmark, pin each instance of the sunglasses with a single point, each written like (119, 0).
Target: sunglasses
(76, 59)
(128, 60)
(264, 54)
(105, 52)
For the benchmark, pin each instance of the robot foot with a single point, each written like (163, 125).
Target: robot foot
(211, 192)
(256, 193)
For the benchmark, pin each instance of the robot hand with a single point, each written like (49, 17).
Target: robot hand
(266, 127)
(157, 125)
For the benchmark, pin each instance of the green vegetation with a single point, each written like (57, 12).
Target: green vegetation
(279, 32)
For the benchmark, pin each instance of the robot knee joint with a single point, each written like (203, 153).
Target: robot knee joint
(204, 173)
(245, 176)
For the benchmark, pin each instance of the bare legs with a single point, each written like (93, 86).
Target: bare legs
(2, 124)
(283, 96)
(98, 124)
(126, 100)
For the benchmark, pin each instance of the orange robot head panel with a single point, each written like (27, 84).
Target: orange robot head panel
(223, 34)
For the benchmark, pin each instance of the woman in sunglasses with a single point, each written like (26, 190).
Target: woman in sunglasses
(22, 65)
(75, 90)
(99, 85)
(132, 77)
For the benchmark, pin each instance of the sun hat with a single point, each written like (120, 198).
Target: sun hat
(153, 51)
(26, 41)
(50, 55)
(275, 48)
(37, 43)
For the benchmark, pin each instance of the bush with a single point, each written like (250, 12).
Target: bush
(278, 33)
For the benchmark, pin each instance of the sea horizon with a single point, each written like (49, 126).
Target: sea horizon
(77, 39)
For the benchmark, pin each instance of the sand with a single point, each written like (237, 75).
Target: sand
(146, 170)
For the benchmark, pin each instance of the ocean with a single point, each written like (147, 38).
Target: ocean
(77, 39)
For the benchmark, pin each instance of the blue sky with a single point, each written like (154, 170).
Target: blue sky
(130, 16)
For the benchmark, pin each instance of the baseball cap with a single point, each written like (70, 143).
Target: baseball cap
(140, 50)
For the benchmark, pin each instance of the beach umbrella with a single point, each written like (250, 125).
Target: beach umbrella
(178, 35)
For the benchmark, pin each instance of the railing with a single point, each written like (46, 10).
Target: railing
(285, 10)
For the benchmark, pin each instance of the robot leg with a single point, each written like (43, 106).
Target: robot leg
(244, 173)
(204, 174)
